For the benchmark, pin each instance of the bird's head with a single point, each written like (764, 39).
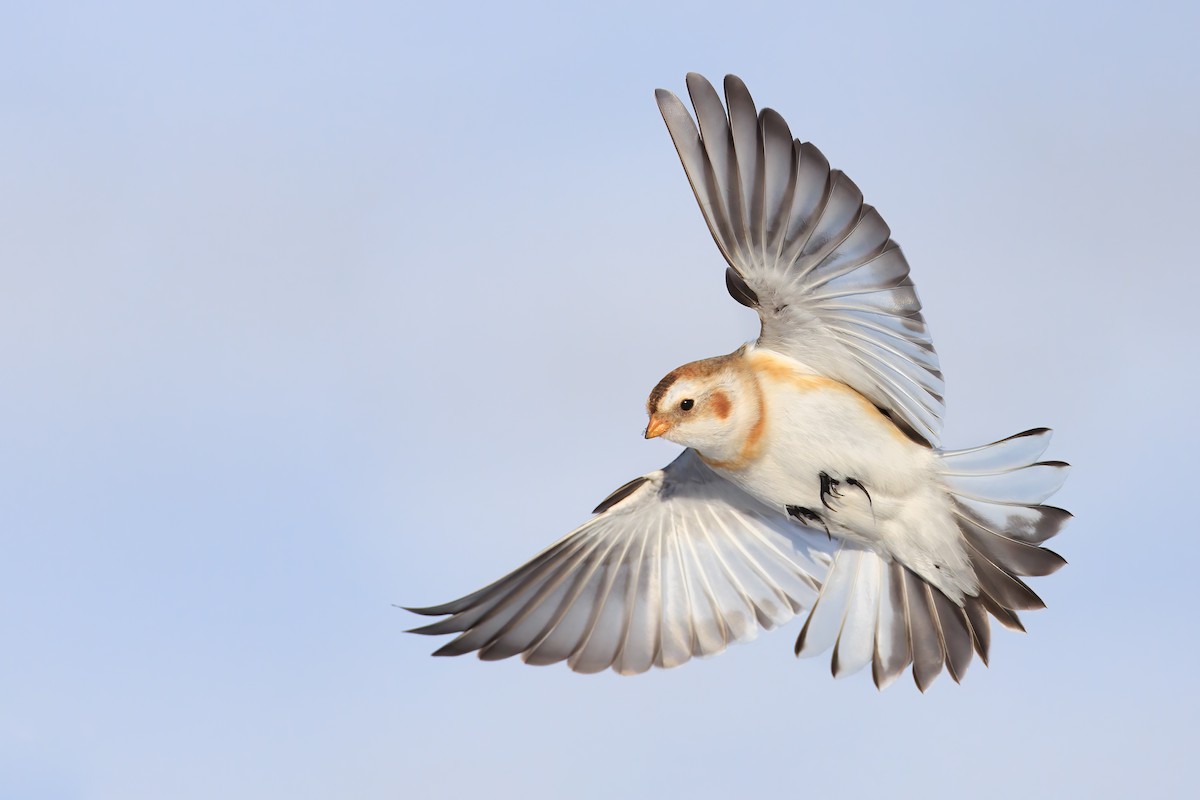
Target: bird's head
(707, 405)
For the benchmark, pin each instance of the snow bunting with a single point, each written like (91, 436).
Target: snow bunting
(812, 477)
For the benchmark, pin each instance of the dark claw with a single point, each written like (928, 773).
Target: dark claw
(807, 515)
(828, 489)
(855, 483)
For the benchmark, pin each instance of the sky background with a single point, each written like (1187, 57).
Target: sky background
(309, 309)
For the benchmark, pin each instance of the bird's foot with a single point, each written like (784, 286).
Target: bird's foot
(829, 489)
(807, 516)
(856, 483)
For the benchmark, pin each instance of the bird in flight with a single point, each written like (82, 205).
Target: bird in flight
(812, 477)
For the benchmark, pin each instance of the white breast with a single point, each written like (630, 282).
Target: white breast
(814, 425)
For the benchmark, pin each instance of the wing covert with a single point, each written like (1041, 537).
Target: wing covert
(830, 286)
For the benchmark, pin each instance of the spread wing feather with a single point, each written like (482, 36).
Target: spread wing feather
(676, 564)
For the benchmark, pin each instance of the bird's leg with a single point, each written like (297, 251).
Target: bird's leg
(828, 489)
(807, 515)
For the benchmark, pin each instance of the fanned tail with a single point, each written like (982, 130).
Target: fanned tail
(876, 611)
(998, 490)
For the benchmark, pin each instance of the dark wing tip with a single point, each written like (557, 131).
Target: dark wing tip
(428, 611)
(452, 648)
(699, 89)
(804, 632)
(1067, 515)
(774, 127)
(1030, 432)
(734, 84)
(877, 674)
(1057, 562)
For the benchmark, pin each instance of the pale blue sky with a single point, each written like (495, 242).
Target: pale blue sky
(307, 310)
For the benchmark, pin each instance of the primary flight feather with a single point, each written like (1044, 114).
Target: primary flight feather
(812, 478)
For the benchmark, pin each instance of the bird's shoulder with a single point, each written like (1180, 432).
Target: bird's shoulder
(770, 367)
(786, 381)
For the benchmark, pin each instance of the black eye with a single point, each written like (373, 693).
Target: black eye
(687, 404)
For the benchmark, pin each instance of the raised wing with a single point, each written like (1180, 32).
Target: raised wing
(830, 286)
(677, 563)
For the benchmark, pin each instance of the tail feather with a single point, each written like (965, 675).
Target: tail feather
(1024, 559)
(997, 492)
(1015, 452)
(828, 615)
(893, 643)
(955, 630)
(1031, 524)
(980, 629)
(1024, 486)
(878, 611)
(1005, 616)
(928, 655)
(855, 646)
(1002, 585)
